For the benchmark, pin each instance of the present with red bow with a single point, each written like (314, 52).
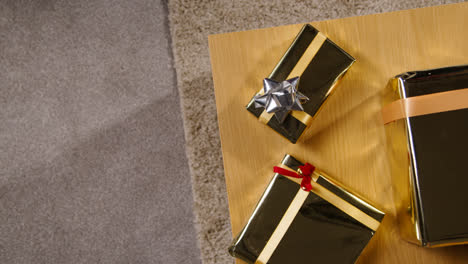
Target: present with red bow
(306, 217)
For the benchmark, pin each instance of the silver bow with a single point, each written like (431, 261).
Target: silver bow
(280, 97)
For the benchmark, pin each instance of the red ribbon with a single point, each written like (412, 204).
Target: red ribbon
(304, 172)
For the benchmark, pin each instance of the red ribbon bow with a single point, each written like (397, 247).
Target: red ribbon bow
(304, 172)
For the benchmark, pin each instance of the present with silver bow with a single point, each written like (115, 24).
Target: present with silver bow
(300, 83)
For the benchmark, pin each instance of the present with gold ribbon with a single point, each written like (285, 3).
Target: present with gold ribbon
(426, 117)
(306, 217)
(300, 83)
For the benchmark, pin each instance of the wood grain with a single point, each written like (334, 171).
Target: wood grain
(347, 139)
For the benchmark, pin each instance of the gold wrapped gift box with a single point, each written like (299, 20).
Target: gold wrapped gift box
(428, 156)
(320, 64)
(329, 224)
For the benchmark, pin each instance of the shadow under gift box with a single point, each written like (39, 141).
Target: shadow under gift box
(319, 233)
(429, 162)
(318, 78)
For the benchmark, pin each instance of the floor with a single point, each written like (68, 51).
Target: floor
(93, 167)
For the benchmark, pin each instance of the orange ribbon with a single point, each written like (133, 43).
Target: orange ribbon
(425, 104)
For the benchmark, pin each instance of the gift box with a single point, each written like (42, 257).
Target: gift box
(427, 132)
(312, 219)
(319, 63)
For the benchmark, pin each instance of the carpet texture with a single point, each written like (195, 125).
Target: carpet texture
(191, 22)
(92, 159)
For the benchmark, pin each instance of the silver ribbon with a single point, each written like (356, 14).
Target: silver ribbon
(280, 98)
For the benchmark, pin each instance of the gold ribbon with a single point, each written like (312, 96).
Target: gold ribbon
(298, 69)
(296, 205)
(283, 226)
(425, 104)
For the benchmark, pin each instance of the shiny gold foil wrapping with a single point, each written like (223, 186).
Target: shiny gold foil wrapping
(428, 161)
(320, 64)
(333, 224)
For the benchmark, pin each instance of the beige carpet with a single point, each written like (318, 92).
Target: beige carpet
(191, 22)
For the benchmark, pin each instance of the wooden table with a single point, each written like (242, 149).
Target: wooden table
(347, 139)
